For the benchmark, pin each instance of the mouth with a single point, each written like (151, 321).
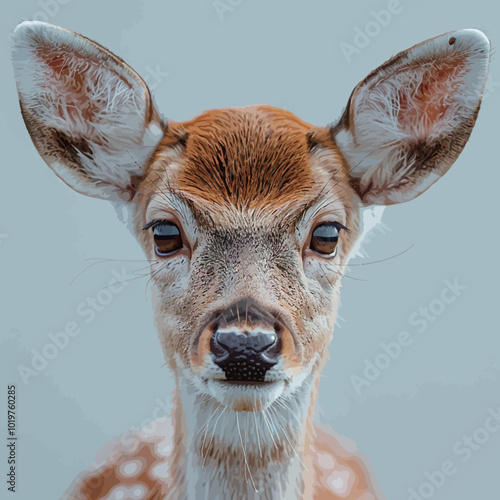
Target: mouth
(245, 395)
(255, 383)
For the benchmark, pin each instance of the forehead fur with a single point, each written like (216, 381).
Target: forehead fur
(247, 156)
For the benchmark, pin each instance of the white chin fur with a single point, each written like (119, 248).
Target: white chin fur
(239, 395)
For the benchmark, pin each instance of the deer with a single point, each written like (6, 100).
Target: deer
(247, 217)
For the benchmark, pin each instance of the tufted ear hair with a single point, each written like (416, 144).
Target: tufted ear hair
(90, 116)
(408, 120)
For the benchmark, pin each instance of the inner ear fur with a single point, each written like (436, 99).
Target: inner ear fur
(406, 123)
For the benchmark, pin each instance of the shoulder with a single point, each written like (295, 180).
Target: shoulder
(341, 470)
(135, 465)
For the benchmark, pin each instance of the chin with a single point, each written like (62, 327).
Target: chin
(245, 395)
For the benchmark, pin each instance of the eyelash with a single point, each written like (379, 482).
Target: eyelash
(154, 223)
(338, 225)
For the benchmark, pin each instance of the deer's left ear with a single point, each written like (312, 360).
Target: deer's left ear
(407, 121)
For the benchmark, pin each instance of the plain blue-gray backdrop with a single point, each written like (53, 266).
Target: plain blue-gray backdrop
(409, 418)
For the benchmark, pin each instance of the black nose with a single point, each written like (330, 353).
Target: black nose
(245, 355)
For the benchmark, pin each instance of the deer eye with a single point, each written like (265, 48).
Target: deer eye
(325, 237)
(167, 237)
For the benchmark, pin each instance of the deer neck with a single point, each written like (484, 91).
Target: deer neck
(252, 455)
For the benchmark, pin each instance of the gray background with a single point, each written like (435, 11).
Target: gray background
(288, 54)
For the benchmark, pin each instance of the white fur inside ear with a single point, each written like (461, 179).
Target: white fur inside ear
(81, 90)
(422, 95)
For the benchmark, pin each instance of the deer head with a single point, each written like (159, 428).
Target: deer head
(247, 214)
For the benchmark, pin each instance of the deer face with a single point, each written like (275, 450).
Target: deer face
(249, 221)
(247, 214)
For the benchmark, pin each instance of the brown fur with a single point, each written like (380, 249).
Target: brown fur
(254, 157)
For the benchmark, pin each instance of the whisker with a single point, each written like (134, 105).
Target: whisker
(269, 428)
(286, 436)
(210, 441)
(206, 424)
(351, 170)
(104, 260)
(286, 407)
(246, 433)
(256, 426)
(147, 175)
(244, 453)
(161, 190)
(338, 273)
(153, 275)
(271, 420)
(282, 401)
(206, 397)
(381, 260)
(124, 281)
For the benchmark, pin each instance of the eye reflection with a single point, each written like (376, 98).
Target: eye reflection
(167, 237)
(325, 237)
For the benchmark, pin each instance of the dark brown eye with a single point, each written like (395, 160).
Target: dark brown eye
(325, 237)
(167, 237)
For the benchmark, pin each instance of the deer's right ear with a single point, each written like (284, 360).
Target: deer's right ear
(90, 116)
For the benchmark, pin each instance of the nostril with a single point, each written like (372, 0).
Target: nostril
(219, 348)
(271, 354)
